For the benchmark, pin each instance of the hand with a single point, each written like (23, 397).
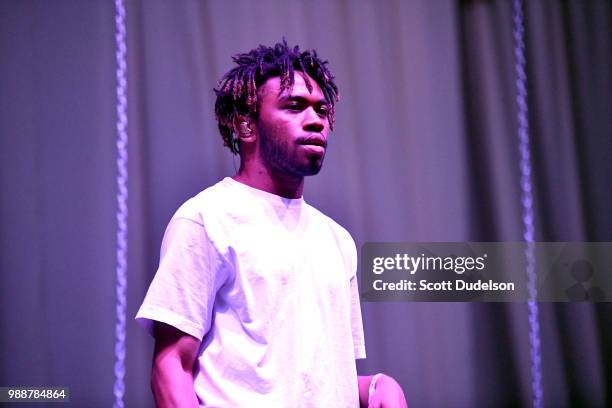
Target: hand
(387, 394)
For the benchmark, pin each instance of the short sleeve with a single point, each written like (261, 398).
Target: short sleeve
(191, 271)
(356, 322)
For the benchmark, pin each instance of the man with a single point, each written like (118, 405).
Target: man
(255, 301)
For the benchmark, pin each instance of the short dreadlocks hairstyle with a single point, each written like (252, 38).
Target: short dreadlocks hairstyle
(237, 90)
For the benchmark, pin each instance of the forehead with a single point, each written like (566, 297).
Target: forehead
(271, 89)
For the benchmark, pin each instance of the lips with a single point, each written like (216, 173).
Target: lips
(314, 141)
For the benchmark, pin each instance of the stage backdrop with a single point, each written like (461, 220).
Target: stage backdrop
(425, 150)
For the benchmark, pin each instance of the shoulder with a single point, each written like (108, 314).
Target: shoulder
(343, 238)
(319, 217)
(208, 204)
(213, 214)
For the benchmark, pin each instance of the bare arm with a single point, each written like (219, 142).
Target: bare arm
(172, 374)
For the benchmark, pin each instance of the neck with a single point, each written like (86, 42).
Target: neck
(270, 181)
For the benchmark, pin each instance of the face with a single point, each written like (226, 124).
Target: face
(292, 127)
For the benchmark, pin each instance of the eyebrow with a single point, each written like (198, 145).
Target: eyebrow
(301, 99)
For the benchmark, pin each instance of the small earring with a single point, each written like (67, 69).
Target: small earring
(245, 129)
(235, 145)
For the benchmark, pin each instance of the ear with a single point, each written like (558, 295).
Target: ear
(244, 129)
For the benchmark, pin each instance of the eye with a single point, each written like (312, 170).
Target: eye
(323, 110)
(295, 107)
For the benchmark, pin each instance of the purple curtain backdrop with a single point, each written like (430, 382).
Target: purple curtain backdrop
(425, 150)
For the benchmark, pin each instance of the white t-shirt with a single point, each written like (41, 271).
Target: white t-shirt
(268, 284)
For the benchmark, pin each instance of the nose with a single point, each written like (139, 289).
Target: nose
(313, 122)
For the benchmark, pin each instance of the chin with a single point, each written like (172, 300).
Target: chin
(313, 173)
(301, 168)
(312, 169)
(305, 172)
